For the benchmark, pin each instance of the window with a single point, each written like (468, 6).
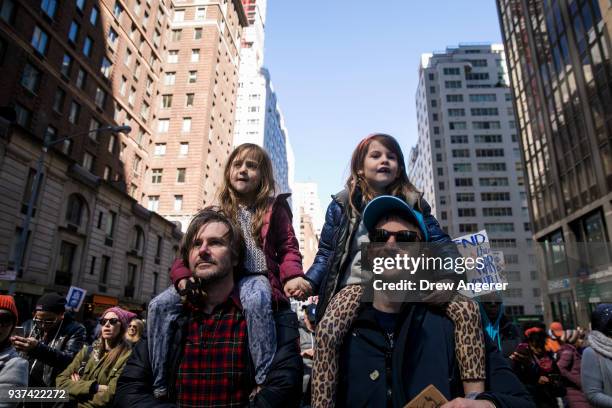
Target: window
(123, 85)
(66, 65)
(112, 37)
(200, 13)
(7, 10)
(30, 78)
(186, 125)
(495, 196)
(452, 84)
(497, 212)
(493, 181)
(100, 98)
(179, 15)
(112, 140)
(476, 76)
(93, 17)
(438, 157)
(49, 7)
(180, 175)
(465, 197)
(172, 56)
(466, 212)
(459, 139)
(63, 274)
(170, 78)
(51, 133)
(137, 70)
(436, 130)
(104, 269)
(105, 68)
(183, 148)
(136, 165)
(163, 125)
(456, 112)
(491, 166)
(432, 89)
(462, 167)
(465, 228)
(159, 247)
(88, 161)
(39, 40)
(454, 98)
(127, 59)
(484, 111)
(131, 280)
(75, 110)
(144, 110)
(94, 125)
(192, 77)
(499, 227)
(479, 63)
(195, 55)
(178, 202)
(58, 100)
(153, 204)
(156, 176)
(166, 101)
(451, 71)
(81, 78)
(73, 32)
(137, 240)
(488, 138)
(74, 210)
(463, 182)
(132, 96)
(197, 33)
(24, 115)
(160, 149)
(503, 243)
(483, 98)
(461, 153)
(486, 125)
(489, 152)
(80, 4)
(457, 125)
(176, 35)
(189, 100)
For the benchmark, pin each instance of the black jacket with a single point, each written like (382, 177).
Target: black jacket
(55, 355)
(282, 388)
(378, 375)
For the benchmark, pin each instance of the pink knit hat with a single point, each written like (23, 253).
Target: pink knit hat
(123, 315)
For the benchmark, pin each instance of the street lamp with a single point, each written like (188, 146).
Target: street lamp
(47, 143)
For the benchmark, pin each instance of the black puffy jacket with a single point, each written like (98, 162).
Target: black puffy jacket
(282, 387)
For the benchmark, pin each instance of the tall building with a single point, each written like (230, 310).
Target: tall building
(259, 118)
(306, 196)
(559, 62)
(196, 107)
(467, 160)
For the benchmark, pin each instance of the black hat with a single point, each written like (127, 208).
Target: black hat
(51, 302)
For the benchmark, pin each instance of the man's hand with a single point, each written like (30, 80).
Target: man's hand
(75, 377)
(298, 288)
(24, 343)
(543, 380)
(468, 403)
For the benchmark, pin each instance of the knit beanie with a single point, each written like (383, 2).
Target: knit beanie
(124, 315)
(51, 302)
(8, 303)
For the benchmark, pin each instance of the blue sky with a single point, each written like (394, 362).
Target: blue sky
(343, 69)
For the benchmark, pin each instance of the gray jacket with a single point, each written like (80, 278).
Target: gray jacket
(596, 376)
(13, 373)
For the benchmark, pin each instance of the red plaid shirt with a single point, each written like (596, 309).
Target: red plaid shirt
(213, 371)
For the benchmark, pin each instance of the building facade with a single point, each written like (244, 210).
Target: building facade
(558, 55)
(467, 160)
(196, 107)
(84, 232)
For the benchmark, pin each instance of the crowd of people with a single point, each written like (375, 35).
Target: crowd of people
(224, 334)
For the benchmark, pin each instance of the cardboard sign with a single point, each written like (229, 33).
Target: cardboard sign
(75, 298)
(477, 245)
(430, 397)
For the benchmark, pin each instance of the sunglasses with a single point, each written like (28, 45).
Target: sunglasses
(112, 321)
(382, 235)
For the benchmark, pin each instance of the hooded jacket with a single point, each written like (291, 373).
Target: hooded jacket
(282, 387)
(385, 375)
(340, 225)
(283, 257)
(57, 352)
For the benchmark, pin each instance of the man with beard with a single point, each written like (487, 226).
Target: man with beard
(208, 361)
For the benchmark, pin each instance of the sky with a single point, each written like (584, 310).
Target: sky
(344, 69)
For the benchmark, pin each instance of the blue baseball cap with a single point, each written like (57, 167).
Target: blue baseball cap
(383, 205)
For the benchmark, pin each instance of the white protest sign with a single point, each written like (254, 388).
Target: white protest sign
(474, 246)
(75, 298)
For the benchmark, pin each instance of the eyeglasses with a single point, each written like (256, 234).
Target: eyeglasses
(112, 321)
(382, 235)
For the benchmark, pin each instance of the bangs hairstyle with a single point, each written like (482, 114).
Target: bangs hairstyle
(400, 187)
(229, 199)
(206, 216)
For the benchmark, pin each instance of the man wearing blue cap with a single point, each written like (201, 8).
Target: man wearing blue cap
(395, 350)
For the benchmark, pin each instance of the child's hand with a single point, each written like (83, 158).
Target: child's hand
(297, 287)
